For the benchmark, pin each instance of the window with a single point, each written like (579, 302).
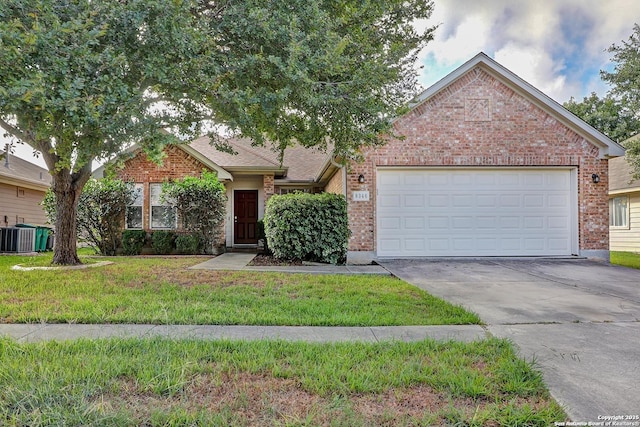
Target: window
(162, 215)
(619, 212)
(134, 212)
(289, 190)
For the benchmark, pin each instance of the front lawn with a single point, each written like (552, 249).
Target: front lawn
(626, 259)
(229, 383)
(163, 291)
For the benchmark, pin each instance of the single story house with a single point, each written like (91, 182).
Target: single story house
(488, 166)
(22, 189)
(624, 206)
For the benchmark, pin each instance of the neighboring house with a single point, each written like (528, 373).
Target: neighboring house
(488, 166)
(624, 206)
(22, 189)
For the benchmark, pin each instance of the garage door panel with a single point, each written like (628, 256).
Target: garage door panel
(489, 212)
(413, 201)
(463, 201)
(533, 201)
(462, 179)
(414, 223)
(389, 200)
(390, 223)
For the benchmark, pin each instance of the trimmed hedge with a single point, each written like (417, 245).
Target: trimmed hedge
(162, 242)
(311, 227)
(188, 244)
(133, 241)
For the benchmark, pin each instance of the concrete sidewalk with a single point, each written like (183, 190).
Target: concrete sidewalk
(28, 333)
(239, 261)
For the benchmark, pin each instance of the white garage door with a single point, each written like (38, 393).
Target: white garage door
(476, 212)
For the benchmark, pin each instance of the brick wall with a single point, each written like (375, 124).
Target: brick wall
(176, 165)
(268, 182)
(479, 121)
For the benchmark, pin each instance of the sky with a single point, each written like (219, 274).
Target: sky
(558, 46)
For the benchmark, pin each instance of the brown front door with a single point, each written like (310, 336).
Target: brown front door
(245, 211)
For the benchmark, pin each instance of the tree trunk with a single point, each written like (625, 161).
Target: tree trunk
(65, 251)
(67, 188)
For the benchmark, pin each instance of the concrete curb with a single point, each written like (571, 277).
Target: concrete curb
(28, 333)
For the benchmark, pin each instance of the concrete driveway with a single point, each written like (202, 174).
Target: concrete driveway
(578, 319)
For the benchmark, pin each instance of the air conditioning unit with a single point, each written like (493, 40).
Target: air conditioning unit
(17, 239)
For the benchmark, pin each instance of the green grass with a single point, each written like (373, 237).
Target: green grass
(626, 259)
(159, 382)
(163, 291)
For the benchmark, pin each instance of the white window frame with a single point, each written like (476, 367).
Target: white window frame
(138, 203)
(289, 190)
(619, 220)
(154, 201)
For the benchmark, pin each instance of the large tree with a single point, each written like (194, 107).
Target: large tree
(625, 86)
(608, 114)
(82, 79)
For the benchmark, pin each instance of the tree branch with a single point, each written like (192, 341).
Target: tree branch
(22, 136)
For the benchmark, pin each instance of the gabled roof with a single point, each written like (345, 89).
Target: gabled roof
(299, 164)
(222, 174)
(621, 177)
(17, 171)
(608, 148)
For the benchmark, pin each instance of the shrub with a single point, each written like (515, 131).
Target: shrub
(188, 244)
(101, 211)
(200, 203)
(162, 242)
(133, 241)
(308, 226)
(262, 236)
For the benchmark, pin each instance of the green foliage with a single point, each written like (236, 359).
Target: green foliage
(625, 87)
(200, 203)
(83, 80)
(133, 241)
(188, 244)
(627, 259)
(101, 212)
(308, 226)
(162, 242)
(163, 382)
(608, 115)
(262, 236)
(625, 77)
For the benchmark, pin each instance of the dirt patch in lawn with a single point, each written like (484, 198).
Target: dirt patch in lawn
(256, 400)
(260, 399)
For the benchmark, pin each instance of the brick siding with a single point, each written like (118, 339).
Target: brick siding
(479, 121)
(177, 164)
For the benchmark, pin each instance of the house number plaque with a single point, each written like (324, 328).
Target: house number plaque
(360, 196)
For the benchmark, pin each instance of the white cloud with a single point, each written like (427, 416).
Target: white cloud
(536, 67)
(559, 46)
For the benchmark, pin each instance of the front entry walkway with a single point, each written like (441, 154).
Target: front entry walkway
(239, 261)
